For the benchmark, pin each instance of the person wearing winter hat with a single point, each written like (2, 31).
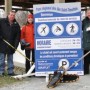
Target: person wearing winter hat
(27, 34)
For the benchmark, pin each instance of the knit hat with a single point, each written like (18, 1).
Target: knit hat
(30, 16)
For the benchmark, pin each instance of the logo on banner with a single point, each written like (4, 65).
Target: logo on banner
(64, 63)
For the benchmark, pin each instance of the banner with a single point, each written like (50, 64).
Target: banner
(58, 37)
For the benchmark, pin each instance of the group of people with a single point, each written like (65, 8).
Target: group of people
(11, 32)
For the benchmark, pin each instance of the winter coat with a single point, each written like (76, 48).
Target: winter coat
(86, 33)
(27, 33)
(11, 33)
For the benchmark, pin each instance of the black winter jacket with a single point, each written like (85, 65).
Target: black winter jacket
(10, 33)
(86, 33)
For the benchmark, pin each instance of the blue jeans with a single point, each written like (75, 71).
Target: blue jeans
(10, 65)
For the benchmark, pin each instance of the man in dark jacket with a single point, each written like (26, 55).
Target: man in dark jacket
(10, 31)
(86, 40)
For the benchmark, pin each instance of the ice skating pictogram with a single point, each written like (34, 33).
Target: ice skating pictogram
(43, 30)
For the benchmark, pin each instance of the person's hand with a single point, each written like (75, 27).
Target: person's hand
(24, 44)
(88, 29)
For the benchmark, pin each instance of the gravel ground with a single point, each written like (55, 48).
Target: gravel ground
(39, 83)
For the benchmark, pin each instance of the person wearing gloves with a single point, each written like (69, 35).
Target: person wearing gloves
(27, 41)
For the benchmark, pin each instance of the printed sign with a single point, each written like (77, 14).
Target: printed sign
(58, 37)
